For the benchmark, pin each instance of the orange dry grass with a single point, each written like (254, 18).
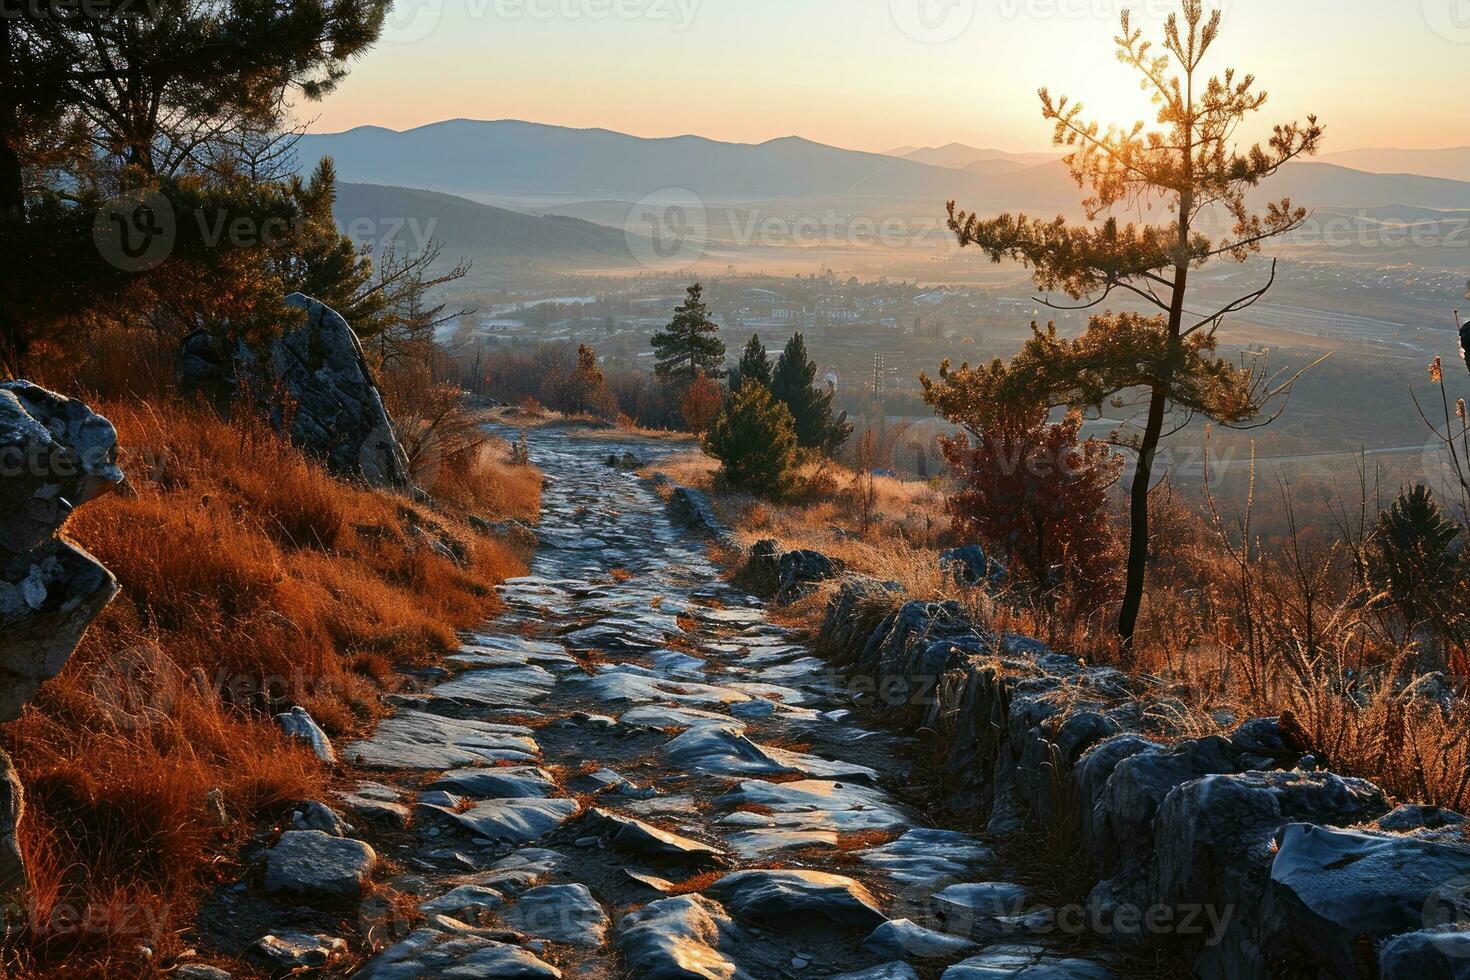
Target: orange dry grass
(251, 580)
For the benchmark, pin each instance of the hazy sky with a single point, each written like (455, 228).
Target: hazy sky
(874, 74)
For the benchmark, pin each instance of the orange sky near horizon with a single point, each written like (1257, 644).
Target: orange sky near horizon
(875, 74)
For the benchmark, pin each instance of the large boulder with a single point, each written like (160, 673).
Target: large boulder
(55, 455)
(692, 509)
(1333, 891)
(1215, 838)
(316, 384)
(971, 566)
(336, 408)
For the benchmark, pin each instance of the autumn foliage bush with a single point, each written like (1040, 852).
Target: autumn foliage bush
(1036, 495)
(252, 580)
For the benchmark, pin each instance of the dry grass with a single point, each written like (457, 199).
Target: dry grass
(251, 580)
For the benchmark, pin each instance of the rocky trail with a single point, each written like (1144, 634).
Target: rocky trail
(635, 773)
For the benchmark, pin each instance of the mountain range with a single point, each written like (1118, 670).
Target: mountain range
(471, 185)
(522, 165)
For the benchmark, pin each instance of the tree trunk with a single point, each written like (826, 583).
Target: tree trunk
(12, 196)
(1148, 449)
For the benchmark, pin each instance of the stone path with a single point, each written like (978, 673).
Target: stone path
(634, 773)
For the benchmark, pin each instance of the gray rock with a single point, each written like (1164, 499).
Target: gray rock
(1438, 954)
(724, 750)
(1213, 851)
(336, 408)
(313, 867)
(678, 939)
(1331, 889)
(430, 954)
(467, 902)
(1411, 817)
(295, 950)
(907, 939)
(55, 456)
(971, 566)
(1025, 963)
(298, 723)
(888, 971)
(201, 971)
(418, 740)
(785, 899)
(314, 815)
(637, 837)
(516, 782)
(964, 907)
(514, 821)
(693, 509)
(560, 913)
(927, 858)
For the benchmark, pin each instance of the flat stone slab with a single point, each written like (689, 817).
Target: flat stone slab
(313, 867)
(929, 858)
(499, 688)
(517, 782)
(418, 740)
(814, 804)
(514, 821)
(670, 716)
(911, 941)
(888, 971)
(678, 939)
(1025, 963)
(974, 901)
(429, 955)
(754, 845)
(789, 899)
(725, 750)
(623, 686)
(636, 837)
(559, 913)
(525, 869)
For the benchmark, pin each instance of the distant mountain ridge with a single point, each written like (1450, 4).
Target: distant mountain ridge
(1452, 163)
(533, 166)
(507, 159)
(409, 217)
(959, 156)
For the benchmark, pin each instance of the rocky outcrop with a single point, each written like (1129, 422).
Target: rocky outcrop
(788, 575)
(56, 454)
(315, 383)
(692, 509)
(972, 567)
(1223, 847)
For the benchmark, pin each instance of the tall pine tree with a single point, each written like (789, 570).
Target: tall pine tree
(690, 345)
(1190, 168)
(794, 383)
(755, 365)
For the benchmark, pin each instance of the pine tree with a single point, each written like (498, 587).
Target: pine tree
(690, 344)
(755, 365)
(794, 383)
(755, 442)
(1190, 167)
(1414, 561)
